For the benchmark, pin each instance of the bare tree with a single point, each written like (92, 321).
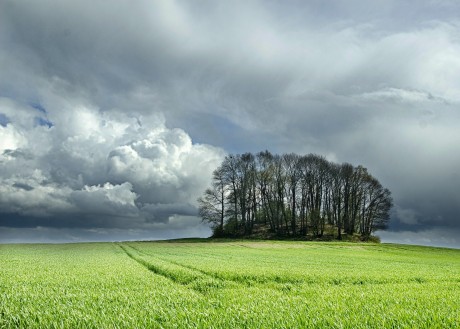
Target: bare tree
(376, 205)
(212, 203)
(292, 172)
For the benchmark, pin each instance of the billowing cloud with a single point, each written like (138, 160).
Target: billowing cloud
(114, 200)
(92, 169)
(91, 93)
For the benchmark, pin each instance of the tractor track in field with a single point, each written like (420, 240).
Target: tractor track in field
(179, 264)
(246, 280)
(196, 280)
(237, 280)
(201, 280)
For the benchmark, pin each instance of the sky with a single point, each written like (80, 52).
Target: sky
(113, 114)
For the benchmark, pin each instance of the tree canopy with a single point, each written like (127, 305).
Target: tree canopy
(292, 195)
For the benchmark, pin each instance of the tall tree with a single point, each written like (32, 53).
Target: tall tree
(212, 203)
(377, 203)
(231, 178)
(292, 172)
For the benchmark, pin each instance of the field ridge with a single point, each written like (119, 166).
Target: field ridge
(177, 273)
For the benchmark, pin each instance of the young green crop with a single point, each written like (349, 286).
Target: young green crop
(228, 285)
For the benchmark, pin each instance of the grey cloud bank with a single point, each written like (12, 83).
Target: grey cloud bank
(91, 95)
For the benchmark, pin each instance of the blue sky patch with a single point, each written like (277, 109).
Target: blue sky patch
(4, 120)
(43, 122)
(39, 108)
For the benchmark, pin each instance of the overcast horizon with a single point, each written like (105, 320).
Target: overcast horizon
(113, 115)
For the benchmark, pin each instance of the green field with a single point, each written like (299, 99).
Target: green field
(228, 284)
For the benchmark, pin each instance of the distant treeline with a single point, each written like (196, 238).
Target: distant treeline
(293, 195)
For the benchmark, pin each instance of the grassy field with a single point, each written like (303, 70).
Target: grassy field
(228, 284)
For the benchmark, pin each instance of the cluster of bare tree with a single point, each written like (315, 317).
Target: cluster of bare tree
(293, 195)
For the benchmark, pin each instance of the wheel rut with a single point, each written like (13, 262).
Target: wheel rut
(177, 273)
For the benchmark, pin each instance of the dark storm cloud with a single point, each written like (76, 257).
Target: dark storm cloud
(23, 186)
(85, 85)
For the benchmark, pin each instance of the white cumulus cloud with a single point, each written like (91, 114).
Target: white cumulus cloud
(92, 169)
